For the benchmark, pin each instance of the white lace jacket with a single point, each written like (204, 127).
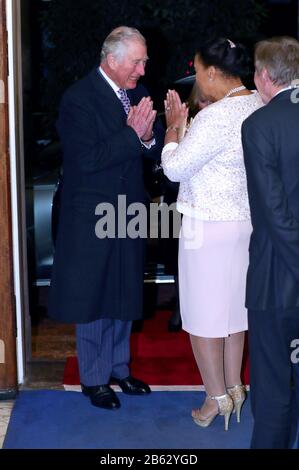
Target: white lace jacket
(208, 162)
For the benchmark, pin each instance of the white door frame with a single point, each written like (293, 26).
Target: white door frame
(16, 150)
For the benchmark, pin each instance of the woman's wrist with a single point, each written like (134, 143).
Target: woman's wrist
(172, 128)
(171, 135)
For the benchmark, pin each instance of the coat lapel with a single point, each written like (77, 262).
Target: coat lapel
(106, 95)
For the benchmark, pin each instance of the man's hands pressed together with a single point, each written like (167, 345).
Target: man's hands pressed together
(141, 118)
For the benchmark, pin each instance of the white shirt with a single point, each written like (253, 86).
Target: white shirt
(209, 164)
(113, 85)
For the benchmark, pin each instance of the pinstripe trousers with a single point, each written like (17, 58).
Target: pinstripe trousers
(103, 348)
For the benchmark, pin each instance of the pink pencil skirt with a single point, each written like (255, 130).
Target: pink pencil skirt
(213, 262)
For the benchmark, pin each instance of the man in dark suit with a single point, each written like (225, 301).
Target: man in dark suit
(271, 152)
(106, 126)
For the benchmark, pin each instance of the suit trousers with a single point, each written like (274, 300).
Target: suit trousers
(103, 348)
(273, 377)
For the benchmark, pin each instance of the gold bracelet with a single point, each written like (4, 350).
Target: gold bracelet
(171, 128)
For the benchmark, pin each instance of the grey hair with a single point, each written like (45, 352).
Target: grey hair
(117, 41)
(280, 57)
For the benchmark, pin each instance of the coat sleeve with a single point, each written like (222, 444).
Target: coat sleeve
(154, 153)
(77, 128)
(265, 183)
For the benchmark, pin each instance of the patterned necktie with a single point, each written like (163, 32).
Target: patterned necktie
(124, 99)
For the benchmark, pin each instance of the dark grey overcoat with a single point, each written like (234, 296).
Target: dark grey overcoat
(102, 158)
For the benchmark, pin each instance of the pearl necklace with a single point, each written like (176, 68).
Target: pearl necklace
(234, 90)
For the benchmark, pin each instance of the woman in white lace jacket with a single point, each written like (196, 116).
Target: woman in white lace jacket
(213, 250)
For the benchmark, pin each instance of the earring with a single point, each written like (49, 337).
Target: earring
(210, 78)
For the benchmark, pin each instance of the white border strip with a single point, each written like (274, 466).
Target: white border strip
(154, 388)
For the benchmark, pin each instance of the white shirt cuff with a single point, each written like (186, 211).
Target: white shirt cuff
(148, 145)
(170, 146)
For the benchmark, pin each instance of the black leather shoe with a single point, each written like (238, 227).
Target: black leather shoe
(102, 396)
(132, 386)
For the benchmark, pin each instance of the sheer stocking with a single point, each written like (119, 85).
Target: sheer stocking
(208, 353)
(233, 354)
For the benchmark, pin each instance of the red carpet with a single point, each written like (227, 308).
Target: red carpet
(158, 357)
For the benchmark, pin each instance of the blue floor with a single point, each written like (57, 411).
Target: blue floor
(48, 419)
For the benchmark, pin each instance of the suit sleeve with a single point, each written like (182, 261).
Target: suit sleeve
(266, 188)
(81, 142)
(154, 153)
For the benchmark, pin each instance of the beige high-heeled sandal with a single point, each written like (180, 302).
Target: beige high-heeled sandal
(238, 395)
(225, 408)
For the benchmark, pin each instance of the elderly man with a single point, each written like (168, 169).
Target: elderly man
(271, 152)
(106, 126)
